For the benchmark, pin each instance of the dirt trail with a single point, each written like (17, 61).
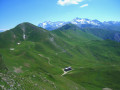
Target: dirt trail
(106, 89)
(65, 72)
(45, 58)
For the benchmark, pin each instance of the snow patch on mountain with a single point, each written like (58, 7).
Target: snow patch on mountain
(51, 25)
(77, 21)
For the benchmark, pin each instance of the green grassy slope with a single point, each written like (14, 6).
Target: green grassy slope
(15, 35)
(37, 62)
(103, 70)
(34, 59)
(74, 35)
(98, 65)
(2, 64)
(104, 33)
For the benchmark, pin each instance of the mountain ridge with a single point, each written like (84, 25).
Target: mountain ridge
(101, 33)
(22, 32)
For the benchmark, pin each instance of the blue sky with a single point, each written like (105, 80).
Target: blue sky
(13, 12)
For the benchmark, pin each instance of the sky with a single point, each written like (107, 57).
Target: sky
(14, 12)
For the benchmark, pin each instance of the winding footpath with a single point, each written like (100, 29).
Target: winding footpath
(45, 58)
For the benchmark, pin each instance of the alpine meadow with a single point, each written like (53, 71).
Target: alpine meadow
(60, 45)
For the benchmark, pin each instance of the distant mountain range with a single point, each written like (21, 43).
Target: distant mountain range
(82, 23)
(52, 25)
(1, 31)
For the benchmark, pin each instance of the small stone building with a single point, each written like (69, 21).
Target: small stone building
(68, 69)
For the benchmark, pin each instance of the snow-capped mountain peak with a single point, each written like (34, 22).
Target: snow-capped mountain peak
(52, 25)
(85, 21)
(77, 21)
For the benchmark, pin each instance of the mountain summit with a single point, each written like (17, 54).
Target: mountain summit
(23, 32)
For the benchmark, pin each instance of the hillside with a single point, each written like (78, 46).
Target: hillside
(22, 32)
(74, 33)
(104, 33)
(2, 64)
(35, 59)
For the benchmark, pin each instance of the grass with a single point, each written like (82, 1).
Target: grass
(95, 62)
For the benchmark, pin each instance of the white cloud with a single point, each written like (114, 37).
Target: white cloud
(68, 2)
(85, 5)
